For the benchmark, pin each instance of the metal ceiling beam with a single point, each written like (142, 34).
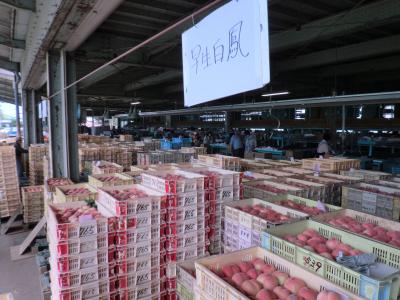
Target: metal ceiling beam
(5, 63)
(162, 10)
(12, 43)
(136, 16)
(20, 4)
(373, 98)
(365, 17)
(381, 46)
(135, 22)
(153, 80)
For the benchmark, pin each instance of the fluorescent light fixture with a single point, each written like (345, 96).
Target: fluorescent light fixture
(275, 94)
(136, 103)
(89, 109)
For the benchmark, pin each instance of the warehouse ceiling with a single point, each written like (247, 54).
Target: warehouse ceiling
(318, 47)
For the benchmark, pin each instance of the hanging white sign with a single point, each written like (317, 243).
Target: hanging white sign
(227, 52)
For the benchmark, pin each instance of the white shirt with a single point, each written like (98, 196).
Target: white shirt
(323, 147)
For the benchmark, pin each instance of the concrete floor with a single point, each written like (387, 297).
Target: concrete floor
(21, 278)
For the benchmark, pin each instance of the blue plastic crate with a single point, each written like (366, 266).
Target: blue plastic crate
(167, 145)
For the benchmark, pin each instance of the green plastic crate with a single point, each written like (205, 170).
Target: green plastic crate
(385, 288)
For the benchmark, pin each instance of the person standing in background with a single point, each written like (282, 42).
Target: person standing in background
(207, 141)
(19, 151)
(324, 149)
(250, 142)
(236, 144)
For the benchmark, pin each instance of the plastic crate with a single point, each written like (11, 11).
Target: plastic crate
(146, 291)
(218, 178)
(81, 277)
(85, 244)
(96, 290)
(186, 275)
(137, 235)
(187, 253)
(102, 180)
(367, 175)
(382, 205)
(140, 264)
(302, 201)
(188, 240)
(252, 222)
(78, 262)
(67, 231)
(186, 199)
(62, 197)
(214, 287)
(186, 182)
(105, 167)
(360, 217)
(331, 164)
(387, 269)
(185, 227)
(151, 201)
(254, 189)
(137, 278)
(310, 190)
(220, 161)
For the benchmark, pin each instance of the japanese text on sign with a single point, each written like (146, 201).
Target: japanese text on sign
(227, 52)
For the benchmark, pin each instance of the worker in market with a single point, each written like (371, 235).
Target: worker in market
(250, 142)
(207, 141)
(324, 150)
(236, 144)
(19, 151)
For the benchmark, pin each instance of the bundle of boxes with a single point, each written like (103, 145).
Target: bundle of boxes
(36, 154)
(9, 183)
(32, 201)
(186, 218)
(139, 214)
(81, 245)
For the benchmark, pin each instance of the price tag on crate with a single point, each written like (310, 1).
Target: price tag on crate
(313, 264)
(87, 229)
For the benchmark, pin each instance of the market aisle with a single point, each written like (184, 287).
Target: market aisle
(21, 278)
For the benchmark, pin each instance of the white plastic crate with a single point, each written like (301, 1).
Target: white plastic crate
(66, 231)
(218, 178)
(81, 277)
(185, 181)
(96, 290)
(152, 201)
(147, 291)
(182, 213)
(78, 262)
(138, 278)
(186, 199)
(143, 263)
(82, 245)
(131, 251)
(185, 227)
(257, 223)
(135, 235)
(185, 253)
(188, 240)
(214, 287)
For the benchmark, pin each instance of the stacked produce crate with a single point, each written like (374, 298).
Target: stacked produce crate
(264, 189)
(186, 217)
(33, 203)
(163, 157)
(50, 189)
(315, 247)
(378, 200)
(140, 239)
(106, 167)
(81, 252)
(333, 165)
(245, 221)
(101, 180)
(220, 161)
(9, 183)
(367, 175)
(75, 192)
(186, 280)
(255, 273)
(221, 186)
(125, 137)
(310, 189)
(36, 154)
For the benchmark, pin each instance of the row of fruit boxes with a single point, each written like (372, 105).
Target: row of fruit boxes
(102, 180)
(374, 199)
(75, 192)
(367, 175)
(334, 165)
(212, 286)
(383, 280)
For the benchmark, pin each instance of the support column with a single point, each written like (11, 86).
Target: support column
(37, 124)
(17, 102)
(62, 116)
(343, 127)
(168, 121)
(228, 122)
(26, 117)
